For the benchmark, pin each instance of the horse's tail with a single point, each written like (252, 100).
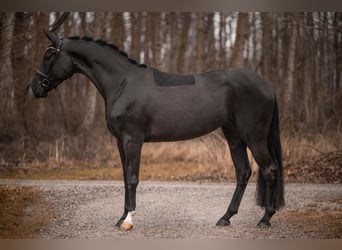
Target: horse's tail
(274, 147)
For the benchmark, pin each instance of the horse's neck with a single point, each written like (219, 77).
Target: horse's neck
(105, 69)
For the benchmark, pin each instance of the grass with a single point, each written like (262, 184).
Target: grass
(315, 223)
(23, 212)
(306, 157)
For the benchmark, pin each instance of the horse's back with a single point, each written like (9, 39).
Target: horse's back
(238, 80)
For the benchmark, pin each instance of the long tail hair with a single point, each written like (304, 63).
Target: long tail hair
(274, 147)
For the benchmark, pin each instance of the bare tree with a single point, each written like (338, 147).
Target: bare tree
(210, 60)
(117, 30)
(20, 61)
(222, 42)
(291, 67)
(200, 41)
(173, 21)
(155, 38)
(92, 91)
(267, 45)
(6, 72)
(136, 27)
(184, 36)
(239, 44)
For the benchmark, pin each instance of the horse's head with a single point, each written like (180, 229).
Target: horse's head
(55, 67)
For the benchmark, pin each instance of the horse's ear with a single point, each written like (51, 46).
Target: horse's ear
(51, 36)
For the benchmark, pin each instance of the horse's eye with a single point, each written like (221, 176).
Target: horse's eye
(49, 53)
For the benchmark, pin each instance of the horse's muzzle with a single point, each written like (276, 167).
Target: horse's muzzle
(37, 90)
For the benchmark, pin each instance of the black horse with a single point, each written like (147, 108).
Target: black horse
(146, 105)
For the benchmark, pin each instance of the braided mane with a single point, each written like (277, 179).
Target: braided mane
(112, 46)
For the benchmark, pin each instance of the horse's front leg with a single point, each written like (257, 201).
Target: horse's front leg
(130, 151)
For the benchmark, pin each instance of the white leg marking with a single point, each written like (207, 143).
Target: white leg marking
(128, 222)
(129, 217)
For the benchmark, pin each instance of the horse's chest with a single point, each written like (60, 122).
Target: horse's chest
(125, 119)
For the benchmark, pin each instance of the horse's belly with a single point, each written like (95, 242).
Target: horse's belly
(179, 113)
(172, 125)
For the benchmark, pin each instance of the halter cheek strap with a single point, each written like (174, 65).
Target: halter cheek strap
(41, 73)
(45, 81)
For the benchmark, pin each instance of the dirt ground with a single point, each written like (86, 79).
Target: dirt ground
(175, 210)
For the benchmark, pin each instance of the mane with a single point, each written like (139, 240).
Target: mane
(110, 45)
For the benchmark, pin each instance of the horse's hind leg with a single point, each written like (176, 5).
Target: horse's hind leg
(266, 180)
(242, 170)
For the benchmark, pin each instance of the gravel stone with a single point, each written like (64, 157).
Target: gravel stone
(172, 210)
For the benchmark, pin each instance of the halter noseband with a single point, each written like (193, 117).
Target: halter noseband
(44, 82)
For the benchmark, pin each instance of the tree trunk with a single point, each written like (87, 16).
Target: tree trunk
(239, 44)
(267, 48)
(92, 91)
(210, 59)
(338, 66)
(186, 19)
(136, 35)
(222, 42)
(309, 80)
(155, 39)
(200, 39)
(289, 95)
(174, 41)
(118, 29)
(35, 110)
(6, 73)
(20, 69)
(145, 40)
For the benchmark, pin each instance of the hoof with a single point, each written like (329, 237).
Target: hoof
(263, 224)
(223, 222)
(126, 226)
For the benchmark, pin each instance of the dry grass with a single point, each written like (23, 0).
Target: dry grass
(315, 222)
(204, 158)
(301, 147)
(313, 158)
(177, 171)
(23, 212)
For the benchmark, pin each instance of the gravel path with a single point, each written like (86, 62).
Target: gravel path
(89, 209)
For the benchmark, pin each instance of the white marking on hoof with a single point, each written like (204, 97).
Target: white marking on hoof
(127, 224)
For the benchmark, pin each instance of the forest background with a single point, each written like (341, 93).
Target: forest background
(299, 54)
